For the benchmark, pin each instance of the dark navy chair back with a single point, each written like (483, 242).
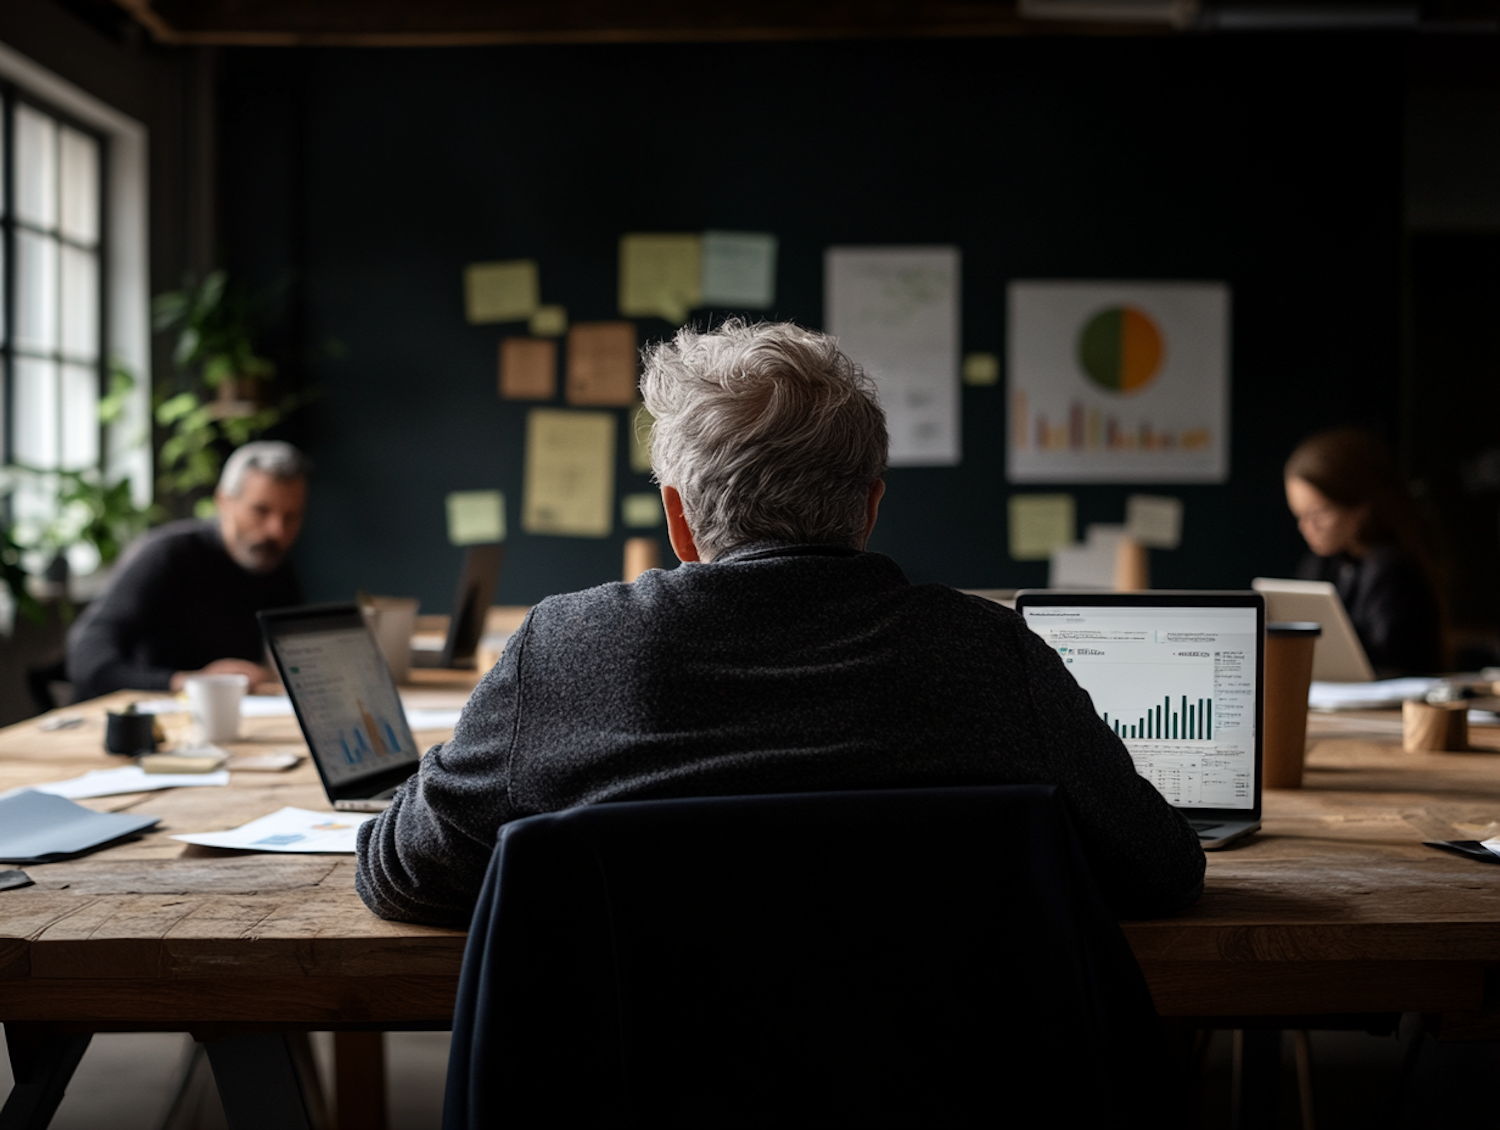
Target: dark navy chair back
(898, 958)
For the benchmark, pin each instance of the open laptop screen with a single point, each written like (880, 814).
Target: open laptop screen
(1177, 683)
(342, 690)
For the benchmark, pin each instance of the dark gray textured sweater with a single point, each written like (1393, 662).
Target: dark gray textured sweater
(773, 669)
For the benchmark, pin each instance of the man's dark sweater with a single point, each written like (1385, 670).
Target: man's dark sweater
(773, 669)
(177, 602)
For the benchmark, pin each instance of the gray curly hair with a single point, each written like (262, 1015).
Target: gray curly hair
(768, 432)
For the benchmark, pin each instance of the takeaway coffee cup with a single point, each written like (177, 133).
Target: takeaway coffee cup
(393, 620)
(214, 702)
(1289, 663)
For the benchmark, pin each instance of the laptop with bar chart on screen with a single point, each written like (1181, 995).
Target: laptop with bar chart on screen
(1178, 676)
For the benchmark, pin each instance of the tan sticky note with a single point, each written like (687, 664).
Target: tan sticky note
(1040, 523)
(1154, 520)
(642, 511)
(501, 292)
(601, 363)
(661, 276)
(570, 473)
(638, 428)
(528, 368)
(549, 321)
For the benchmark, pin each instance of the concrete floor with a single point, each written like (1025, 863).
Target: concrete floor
(127, 1081)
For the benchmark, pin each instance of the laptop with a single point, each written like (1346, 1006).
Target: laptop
(476, 589)
(1179, 676)
(1339, 656)
(346, 702)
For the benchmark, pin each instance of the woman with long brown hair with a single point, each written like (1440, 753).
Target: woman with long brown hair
(1367, 538)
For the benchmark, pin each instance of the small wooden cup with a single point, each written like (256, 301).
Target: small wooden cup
(1428, 726)
(1289, 663)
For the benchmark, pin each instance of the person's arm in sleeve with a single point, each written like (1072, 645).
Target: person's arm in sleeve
(1146, 858)
(424, 858)
(103, 645)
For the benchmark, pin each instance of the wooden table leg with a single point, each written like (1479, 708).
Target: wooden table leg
(258, 1081)
(42, 1062)
(359, 1080)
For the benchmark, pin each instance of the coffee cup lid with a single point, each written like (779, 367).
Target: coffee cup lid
(1284, 628)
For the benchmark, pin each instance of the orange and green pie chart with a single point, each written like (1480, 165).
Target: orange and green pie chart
(1120, 349)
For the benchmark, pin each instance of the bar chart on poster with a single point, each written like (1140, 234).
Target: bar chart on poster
(1176, 685)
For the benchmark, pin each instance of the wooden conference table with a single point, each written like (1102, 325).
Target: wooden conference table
(1335, 910)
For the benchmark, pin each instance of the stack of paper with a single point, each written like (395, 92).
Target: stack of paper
(290, 830)
(1367, 696)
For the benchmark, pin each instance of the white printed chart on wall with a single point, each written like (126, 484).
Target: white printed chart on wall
(895, 310)
(1118, 382)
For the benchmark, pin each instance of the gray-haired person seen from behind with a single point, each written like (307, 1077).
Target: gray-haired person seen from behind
(184, 597)
(781, 656)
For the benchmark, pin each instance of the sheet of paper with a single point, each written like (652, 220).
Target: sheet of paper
(1117, 382)
(1040, 523)
(501, 292)
(895, 311)
(601, 364)
(528, 368)
(126, 779)
(739, 269)
(638, 431)
(549, 321)
(476, 517)
(1367, 696)
(660, 275)
(1154, 520)
(295, 830)
(1090, 565)
(265, 706)
(432, 719)
(642, 511)
(570, 473)
(35, 826)
(981, 369)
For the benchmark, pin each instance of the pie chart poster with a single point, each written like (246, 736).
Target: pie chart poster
(1118, 382)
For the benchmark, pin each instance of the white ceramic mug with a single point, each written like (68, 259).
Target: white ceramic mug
(214, 702)
(393, 620)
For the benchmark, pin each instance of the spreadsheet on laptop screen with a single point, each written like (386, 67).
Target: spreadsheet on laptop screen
(1177, 685)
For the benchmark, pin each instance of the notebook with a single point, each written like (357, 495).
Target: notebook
(1178, 676)
(345, 701)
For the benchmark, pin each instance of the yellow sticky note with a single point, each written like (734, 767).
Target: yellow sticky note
(549, 321)
(1040, 523)
(981, 369)
(660, 276)
(476, 517)
(638, 428)
(570, 473)
(501, 292)
(641, 511)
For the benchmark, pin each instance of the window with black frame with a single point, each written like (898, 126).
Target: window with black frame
(51, 322)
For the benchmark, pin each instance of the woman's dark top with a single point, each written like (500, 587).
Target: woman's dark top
(1391, 604)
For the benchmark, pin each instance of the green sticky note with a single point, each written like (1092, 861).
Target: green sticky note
(641, 511)
(1040, 523)
(981, 369)
(660, 276)
(476, 517)
(638, 425)
(739, 269)
(501, 292)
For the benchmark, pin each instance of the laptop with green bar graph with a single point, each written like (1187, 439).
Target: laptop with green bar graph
(1179, 677)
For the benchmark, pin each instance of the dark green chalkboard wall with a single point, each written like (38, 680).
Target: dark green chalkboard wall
(361, 182)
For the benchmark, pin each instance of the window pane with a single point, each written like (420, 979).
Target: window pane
(80, 303)
(34, 398)
(36, 167)
(36, 291)
(79, 166)
(80, 417)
